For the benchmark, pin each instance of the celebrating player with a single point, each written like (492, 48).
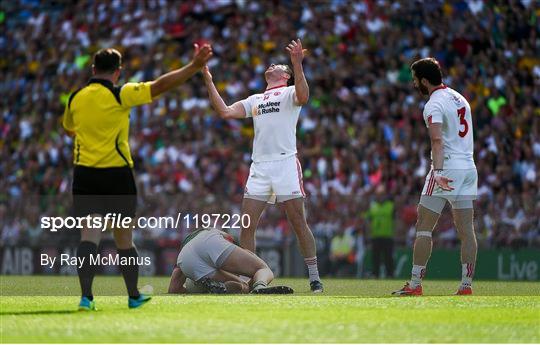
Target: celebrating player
(210, 262)
(275, 169)
(452, 178)
(97, 116)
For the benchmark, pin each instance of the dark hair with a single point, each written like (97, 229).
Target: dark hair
(429, 69)
(107, 60)
(290, 72)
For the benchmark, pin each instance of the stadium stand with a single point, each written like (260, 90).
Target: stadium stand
(362, 127)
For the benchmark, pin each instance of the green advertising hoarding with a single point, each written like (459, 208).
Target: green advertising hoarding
(492, 264)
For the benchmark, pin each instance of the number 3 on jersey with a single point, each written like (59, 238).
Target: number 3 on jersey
(462, 121)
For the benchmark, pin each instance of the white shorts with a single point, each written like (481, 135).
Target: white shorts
(465, 184)
(281, 180)
(204, 254)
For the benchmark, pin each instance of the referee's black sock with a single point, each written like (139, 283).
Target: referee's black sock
(87, 271)
(130, 271)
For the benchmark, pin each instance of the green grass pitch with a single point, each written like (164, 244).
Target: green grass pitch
(42, 309)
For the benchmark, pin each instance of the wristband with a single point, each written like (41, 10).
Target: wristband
(438, 172)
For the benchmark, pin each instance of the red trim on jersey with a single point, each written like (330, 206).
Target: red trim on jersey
(275, 87)
(437, 88)
(300, 180)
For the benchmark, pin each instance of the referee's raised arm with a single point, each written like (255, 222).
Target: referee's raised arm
(97, 117)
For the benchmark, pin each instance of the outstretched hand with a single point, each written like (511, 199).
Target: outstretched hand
(296, 51)
(444, 183)
(201, 55)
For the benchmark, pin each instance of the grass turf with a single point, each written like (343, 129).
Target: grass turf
(348, 311)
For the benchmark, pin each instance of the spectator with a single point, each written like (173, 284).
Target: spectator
(381, 215)
(360, 129)
(360, 248)
(342, 252)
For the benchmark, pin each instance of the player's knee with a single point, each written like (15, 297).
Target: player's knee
(297, 218)
(426, 219)
(299, 225)
(261, 265)
(467, 234)
(419, 218)
(123, 239)
(270, 274)
(459, 234)
(422, 224)
(249, 231)
(465, 228)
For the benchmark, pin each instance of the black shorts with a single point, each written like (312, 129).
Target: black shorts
(104, 190)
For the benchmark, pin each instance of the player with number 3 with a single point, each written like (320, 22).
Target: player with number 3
(452, 177)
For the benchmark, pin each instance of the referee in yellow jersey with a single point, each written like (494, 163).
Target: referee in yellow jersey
(97, 116)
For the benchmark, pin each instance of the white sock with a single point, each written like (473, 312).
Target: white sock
(311, 264)
(467, 273)
(417, 274)
(259, 285)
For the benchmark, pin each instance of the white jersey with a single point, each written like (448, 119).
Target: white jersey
(450, 108)
(275, 116)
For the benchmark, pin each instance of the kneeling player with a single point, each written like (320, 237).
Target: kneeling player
(213, 263)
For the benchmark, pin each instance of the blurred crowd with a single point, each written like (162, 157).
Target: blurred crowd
(362, 129)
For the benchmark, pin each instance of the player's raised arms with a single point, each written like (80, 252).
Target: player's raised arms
(235, 111)
(301, 87)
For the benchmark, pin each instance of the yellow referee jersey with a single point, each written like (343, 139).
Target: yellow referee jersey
(98, 114)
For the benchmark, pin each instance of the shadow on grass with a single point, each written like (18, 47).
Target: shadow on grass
(39, 312)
